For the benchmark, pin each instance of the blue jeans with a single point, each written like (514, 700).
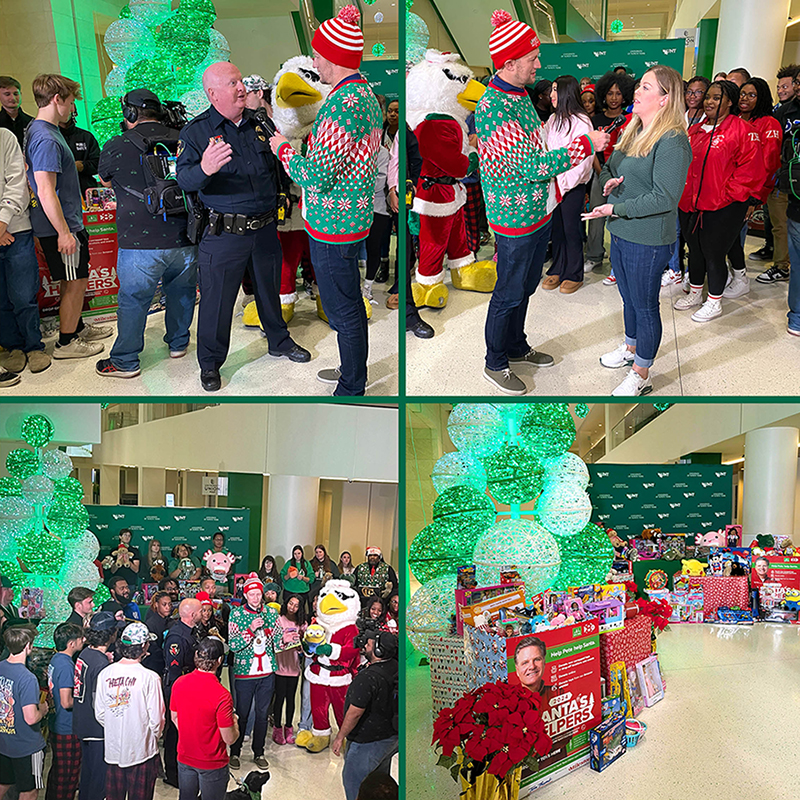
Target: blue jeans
(638, 268)
(139, 272)
(793, 229)
(519, 270)
(249, 692)
(19, 284)
(339, 281)
(305, 699)
(361, 759)
(208, 784)
(675, 249)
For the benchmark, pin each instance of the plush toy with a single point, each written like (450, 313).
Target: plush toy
(219, 564)
(440, 94)
(314, 635)
(763, 541)
(158, 570)
(334, 661)
(711, 539)
(784, 546)
(693, 567)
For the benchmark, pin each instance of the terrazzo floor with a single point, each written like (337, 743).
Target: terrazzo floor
(726, 728)
(747, 351)
(249, 370)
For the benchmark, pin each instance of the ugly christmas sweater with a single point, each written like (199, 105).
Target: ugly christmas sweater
(337, 174)
(253, 653)
(517, 171)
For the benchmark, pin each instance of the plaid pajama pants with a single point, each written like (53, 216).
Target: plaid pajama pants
(133, 783)
(474, 210)
(65, 772)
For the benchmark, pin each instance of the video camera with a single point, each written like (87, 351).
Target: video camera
(174, 114)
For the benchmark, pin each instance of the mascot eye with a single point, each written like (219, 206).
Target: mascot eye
(309, 74)
(341, 595)
(452, 77)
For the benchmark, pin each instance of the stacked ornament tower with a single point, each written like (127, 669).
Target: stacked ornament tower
(44, 542)
(507, 455)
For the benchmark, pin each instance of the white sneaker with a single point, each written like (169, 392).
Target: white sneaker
(694, 298)
(620, 357)
(670, 278)
(610, 280)
(78, 348)
(685, 284)
(366, 290)
(634, 385)
(91, 333)
(589, 265)
(711, 309)
(737, 287)
(793, 332)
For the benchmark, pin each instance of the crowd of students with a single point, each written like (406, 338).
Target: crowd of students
(117, 684)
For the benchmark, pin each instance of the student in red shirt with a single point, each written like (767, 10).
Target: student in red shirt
(202, 710)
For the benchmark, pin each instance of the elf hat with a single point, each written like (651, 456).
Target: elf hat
(340, 40)
(204, 599)
(510, 39)
(252, 581)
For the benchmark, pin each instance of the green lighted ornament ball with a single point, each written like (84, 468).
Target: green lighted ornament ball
(566, 468)
(378, 49)
(67, 519)
(547, 428)
(41, 552)
(56, 464)
(37, 430)
(476, 428)
(155, 74)
(513, 475)
(429, 611)
(564, 509)
(10, 487)
(617, 26)
(101, 594)
(581, 410)
(22, 463)
(69, 489)
(586, 558)
(458, 469)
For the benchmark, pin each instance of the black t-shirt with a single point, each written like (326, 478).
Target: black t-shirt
(131, 577)
(89, 665)
(373, 690)
(137, 228)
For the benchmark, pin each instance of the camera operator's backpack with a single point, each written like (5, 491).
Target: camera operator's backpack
(159, 155)
(793, 163)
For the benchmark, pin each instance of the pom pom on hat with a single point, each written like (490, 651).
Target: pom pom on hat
(500, 17)
(340, 39)
(252, 581)
(510, 39)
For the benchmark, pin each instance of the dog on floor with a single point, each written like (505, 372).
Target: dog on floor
(250, 787)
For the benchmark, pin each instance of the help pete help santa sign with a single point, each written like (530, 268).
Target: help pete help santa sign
(571, 697)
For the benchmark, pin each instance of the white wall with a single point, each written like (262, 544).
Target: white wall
(260, 44)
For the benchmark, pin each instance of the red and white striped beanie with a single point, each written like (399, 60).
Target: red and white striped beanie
(510, 39)
(340, 40)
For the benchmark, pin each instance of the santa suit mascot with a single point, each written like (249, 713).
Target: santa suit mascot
(334, 662)
(440, 95)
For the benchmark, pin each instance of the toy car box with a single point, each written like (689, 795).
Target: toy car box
(607, 742)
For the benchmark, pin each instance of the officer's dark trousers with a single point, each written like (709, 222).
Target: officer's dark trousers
(170, 750)
(336, 268)
(222, 261)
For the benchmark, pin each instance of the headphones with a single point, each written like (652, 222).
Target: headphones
(130, 113)
(385, 647)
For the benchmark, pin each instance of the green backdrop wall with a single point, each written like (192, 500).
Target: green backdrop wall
(171, 526)
(678, 498)
(383, 76)
(596, 58)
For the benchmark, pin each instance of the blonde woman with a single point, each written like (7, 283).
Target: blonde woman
(643, 181)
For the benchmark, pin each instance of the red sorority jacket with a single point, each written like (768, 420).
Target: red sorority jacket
(445, 151)
(771, 135)
(734, 170)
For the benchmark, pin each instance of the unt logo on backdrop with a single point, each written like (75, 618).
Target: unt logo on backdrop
(720, 474)
(617, 506)
(705, 485)
(582, 66)
(598, 53)
(668, 50)
(118, 516)
(648, 485)
(631, 496)
(688, 494)
(164, 527)
(663, 516)
(674, 505)
(179, 519)
(237, 519)
(602, 474)
(663, 474)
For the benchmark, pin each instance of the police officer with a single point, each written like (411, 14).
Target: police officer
(179, 647)
(224, 155)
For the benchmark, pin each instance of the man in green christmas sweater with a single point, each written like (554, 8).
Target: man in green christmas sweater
(517, 173)
(337, 175)
(251, 629)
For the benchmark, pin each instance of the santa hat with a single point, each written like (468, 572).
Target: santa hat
(204, 599)
(510, 39)
(340, 40)
(588, 88)
(252, 581)
(373, 551)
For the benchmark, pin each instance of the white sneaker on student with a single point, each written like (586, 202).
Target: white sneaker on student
(737, 287)
(711, 309)
(634, 385)
(694, 298)
(620, 357)
(670, 278)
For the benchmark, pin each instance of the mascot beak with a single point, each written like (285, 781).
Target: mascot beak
(331, 605)
(471, 94)
(292, 92)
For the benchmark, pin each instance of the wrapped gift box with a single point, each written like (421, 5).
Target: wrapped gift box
(719, 591)
(632, 644)
(449, 672)
(486, 656)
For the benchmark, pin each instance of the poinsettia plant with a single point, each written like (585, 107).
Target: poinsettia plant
(498, 727)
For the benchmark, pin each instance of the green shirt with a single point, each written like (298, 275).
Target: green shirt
(646, 202)
(296, 585)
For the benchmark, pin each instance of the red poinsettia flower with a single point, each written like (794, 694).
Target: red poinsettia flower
(501, 764)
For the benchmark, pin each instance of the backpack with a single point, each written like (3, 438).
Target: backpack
(793, 164)
(159, 155)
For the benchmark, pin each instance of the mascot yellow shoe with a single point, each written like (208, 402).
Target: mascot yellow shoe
(318, 744)
(433, 295)
(250, 317)
(321, 311)
(303, 738)
(479, 276)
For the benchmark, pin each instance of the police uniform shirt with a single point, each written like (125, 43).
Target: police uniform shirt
(179, 647)
(247, 184)
(137, 228)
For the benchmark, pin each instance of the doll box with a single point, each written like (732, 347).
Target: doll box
(607, 742)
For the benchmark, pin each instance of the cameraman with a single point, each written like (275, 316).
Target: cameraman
(370, 720)
(151, 247)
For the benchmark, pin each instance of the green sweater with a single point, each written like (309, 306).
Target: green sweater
(516, 167)
(646, 202)
(338, 172)
(253, 653)
(296, 585)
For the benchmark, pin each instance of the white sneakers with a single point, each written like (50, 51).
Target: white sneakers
(634, 385)
(670, 278)
(694, 298)
(711, 309)
(589, 265)
(737, 287)
(620, 357)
